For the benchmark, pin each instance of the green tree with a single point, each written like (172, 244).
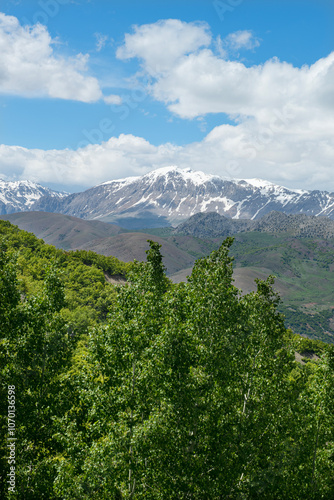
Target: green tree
(187, 393)
(119, 391)
(35, 349)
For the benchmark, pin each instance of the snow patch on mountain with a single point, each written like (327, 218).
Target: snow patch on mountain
(170, 195)
(120, 183)
(20, 196)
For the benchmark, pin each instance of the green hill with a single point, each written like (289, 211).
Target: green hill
(87, 277)
(303, 268)
(281, 246)
(71, 233)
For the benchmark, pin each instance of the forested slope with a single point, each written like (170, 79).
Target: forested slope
(83, 274)
(183, 391)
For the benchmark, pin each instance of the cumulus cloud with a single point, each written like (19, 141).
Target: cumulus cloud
(241, 40)
(203, 83)
(30, 68)
(113, 99)
(302, 160)
(160, 45)
(196, 81)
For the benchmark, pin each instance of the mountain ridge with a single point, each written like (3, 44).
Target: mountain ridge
(213, 225)
(71, 233)
(19, 196)
(170, 195)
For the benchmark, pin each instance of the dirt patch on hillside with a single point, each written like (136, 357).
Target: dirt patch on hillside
(115, 279)
(305, 356)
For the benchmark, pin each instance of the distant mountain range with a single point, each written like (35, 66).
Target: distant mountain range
(167, 196)
(19, 196)
(213, 225)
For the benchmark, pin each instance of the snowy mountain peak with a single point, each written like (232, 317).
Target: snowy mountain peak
(121, 182)
(197, 178)
(185, 175)
(169, 172)
(19, 196)
(170, 195)
(269, 186)
(163, 171)
(18, 184)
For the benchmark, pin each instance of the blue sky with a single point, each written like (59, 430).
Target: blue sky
(96, 90)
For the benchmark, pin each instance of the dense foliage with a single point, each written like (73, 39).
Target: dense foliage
(303, 267)
(83, 275)
(185, 391)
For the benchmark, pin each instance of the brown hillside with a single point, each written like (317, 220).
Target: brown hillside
(130, 246)
(62, 231)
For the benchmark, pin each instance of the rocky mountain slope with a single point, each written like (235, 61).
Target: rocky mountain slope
(167, 196)
(213, 225)
(19, 196)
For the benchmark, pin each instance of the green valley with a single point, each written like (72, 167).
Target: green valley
(297, 250)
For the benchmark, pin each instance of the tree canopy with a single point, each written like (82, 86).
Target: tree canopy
(183, 391)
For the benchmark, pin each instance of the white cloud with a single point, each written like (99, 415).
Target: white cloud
(195, 81)
(232, 43)
(30, 68)
(162, 44)
(101, 41)
(301, 160)
(241, 40)
(113, 99)
(203, 83)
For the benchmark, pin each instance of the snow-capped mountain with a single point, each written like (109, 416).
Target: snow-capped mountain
(170, 195)
(20, 196)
